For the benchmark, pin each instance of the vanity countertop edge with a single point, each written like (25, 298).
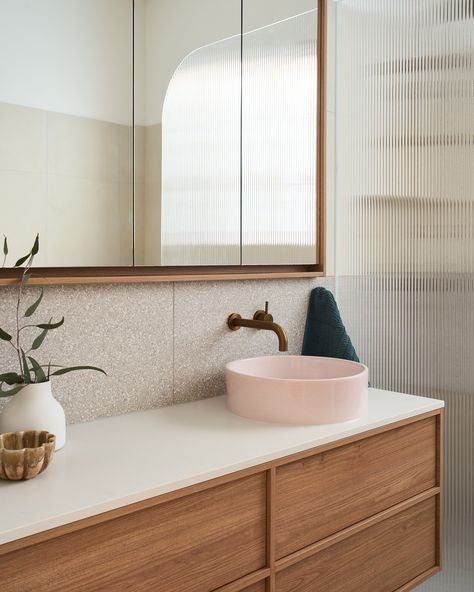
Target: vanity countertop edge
(113, 462)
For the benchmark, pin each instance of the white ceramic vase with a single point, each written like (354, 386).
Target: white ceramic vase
(35, 408)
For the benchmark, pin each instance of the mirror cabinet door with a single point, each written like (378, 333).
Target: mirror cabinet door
(66, 135)
(159, 132)
(279, 132)
(188, 111)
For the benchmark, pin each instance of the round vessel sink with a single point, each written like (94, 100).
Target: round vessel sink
(297, 389)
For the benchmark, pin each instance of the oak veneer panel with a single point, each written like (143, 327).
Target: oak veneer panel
(192, 544)
(381, 558)
(322, 494)
(258, 587)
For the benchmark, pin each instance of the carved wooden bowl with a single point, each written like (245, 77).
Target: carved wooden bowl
(23, 455)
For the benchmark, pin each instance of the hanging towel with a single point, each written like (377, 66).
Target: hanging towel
(325, 334)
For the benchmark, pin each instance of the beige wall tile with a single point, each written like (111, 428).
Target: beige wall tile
(22, 139)
(125, 134)
(87, 222)
(140, 222)
(124, 220)
(23, 210)
(152, 226)
(83, 147)
(153, 152)
(140, 153)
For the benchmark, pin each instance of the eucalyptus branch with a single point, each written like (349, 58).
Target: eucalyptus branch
(5, 251)
(13, 345)
(18, 304)
(31, 371)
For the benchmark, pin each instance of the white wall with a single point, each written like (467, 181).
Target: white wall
(68, 56)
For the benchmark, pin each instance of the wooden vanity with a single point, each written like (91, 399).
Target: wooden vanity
(358, 514)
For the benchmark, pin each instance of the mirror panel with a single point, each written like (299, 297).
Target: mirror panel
(150, 133)
(279, 132)
(188, 111)
(66, 130)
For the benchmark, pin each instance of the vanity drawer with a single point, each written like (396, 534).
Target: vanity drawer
(382, 558)
(258, 587)
(325, 493)
(195, 543)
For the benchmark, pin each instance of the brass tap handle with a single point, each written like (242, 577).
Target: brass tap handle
(263, 315)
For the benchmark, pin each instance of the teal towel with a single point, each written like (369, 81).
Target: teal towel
(325, 334)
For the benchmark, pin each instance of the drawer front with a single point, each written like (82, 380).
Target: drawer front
(192, 544)
(323, 494)
(258, 587)
(381, 558)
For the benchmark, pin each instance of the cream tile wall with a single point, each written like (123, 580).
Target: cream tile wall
(161, 344)
(70, 179)
(148, 195)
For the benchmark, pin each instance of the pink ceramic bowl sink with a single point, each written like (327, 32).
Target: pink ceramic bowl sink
(297, 389)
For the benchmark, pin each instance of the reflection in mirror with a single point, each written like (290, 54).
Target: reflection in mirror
(279, 132)
(187, 96)
(66, 130)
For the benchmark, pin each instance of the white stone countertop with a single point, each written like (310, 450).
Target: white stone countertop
(109, 463)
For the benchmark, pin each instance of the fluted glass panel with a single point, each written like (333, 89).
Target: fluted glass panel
(279, 125)
(200, 219)
(405, 221)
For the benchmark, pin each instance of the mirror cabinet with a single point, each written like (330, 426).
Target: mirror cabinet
(152, 139)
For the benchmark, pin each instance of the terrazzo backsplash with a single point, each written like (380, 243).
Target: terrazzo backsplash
(161, 344)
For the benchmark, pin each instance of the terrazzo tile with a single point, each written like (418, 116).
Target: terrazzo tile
(134, 331)
(204, 344)
(125, 329)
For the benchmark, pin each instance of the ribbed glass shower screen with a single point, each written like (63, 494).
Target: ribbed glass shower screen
(405, 221)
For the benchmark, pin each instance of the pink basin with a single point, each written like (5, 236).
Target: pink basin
(297, 389)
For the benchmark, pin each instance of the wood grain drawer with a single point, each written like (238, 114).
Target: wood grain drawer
(322, 494)
(382, 558)
(258, 587)
(192, 544)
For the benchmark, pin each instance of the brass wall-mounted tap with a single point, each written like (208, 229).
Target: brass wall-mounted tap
(262, 319)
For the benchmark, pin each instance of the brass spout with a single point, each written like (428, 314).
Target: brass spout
(261, 320)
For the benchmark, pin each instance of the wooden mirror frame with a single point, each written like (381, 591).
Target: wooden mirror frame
(130, 274)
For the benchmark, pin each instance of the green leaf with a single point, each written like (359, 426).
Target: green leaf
(74, 368)
(5, 245)
(21, 260)
(31, 310)
(35, 248)
(5, 336)
(40, 376)
(50, 325)
(10, 378)
(26, 370)
(39, 340)
(10, 392)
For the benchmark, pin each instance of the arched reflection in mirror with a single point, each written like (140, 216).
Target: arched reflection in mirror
(226, 152)
(187, 115)
(200, 222)
(279, 132)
